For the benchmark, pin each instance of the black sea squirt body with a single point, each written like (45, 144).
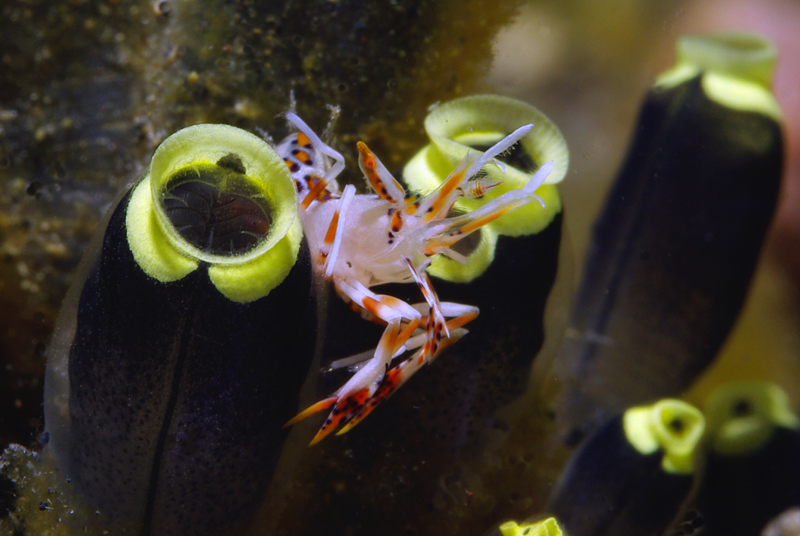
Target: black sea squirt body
(752, 471)
(179, 395)
(609, 488)
(673, 252)
(739, 495)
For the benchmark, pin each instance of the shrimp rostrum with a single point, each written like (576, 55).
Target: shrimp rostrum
(361, 241)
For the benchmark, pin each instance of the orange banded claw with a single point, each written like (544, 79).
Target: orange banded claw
(395, 378)
(357, 392)
(391, 381)
(322, 405)
(343, 411)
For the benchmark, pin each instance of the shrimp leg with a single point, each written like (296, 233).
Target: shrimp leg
(354, 394)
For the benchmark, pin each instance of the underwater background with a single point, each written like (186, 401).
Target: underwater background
(89, 89)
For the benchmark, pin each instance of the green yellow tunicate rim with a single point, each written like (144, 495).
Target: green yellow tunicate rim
(486, 119)
(163, 254)
(737, 70)
(453, 128)
(744, 415)
(669, 425)
(546, 527)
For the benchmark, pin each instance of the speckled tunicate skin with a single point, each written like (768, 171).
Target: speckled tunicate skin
(176, 395)
(609, 488)
(673, 253)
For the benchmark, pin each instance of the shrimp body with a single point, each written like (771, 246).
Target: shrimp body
(370, 252)
(309, 165)
(361, 241)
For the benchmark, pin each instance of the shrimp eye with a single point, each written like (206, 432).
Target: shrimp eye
(217, 220)
(221, 196)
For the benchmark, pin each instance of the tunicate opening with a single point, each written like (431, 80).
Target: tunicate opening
(742, 408)
(468, 245)
(215, 209)
(461, 127)
(742, 55)
(480, 121)
(677, 426)
(516, 157)
(744, 415)
(676, 423)
(241, 187)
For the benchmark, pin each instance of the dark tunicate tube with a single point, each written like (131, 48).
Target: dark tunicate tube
(632, 475)
(166, 394)
(752, 471)
(675, 247)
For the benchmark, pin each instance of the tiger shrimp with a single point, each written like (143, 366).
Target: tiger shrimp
(360, 241)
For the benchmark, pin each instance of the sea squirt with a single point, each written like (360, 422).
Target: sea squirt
(675, 247)
(633, 474)
(752, 469)
(180, 353)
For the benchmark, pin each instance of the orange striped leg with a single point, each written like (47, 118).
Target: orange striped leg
(464, 315)
(436, 326)
(329, 249)
(348, 400)
(396, 377)
(384, 184)
(315, 192)
(461, 226)
(438, 204)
